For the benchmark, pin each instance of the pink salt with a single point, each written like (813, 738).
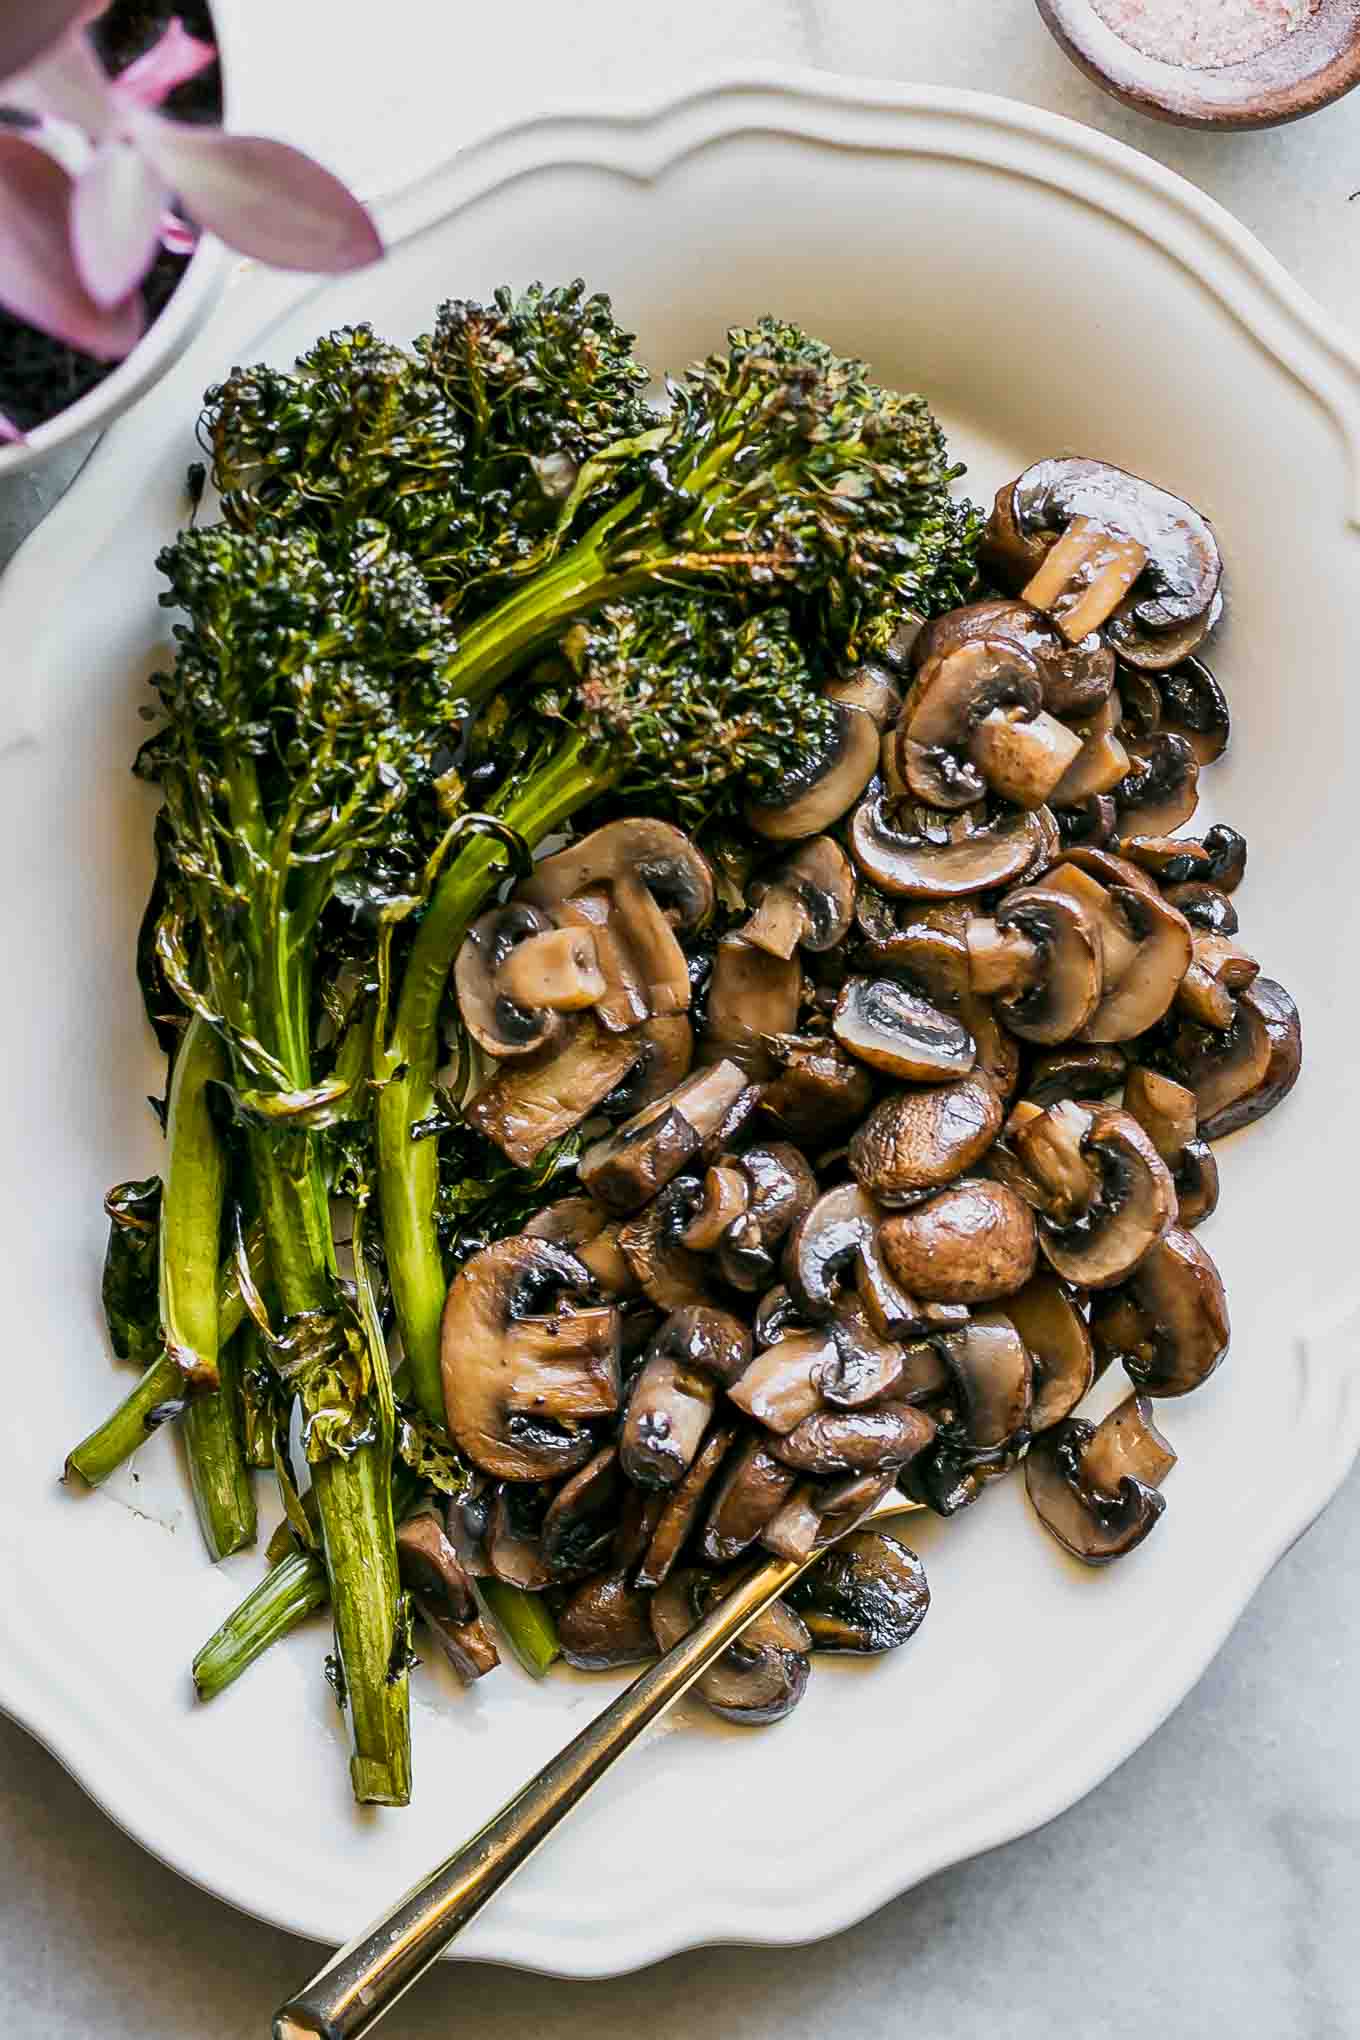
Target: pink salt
(1204, 34)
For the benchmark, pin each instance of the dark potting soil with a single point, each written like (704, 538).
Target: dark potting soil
(40, 376)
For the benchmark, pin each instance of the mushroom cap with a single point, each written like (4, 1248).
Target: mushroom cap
(606, 1622)
(1067, 943)
(668, 1272)
(953, 692)
(806, 902)
(1174, 595)
(1045, 1315)
(640, 847)
(922, 1139)
(856, 1441)
(1075, 1072)
(752, 994)
(497, 1023)
(1076, 678)
(1204, 906)
(1160, 789)
(1196, 1177)
(873, 688)
(1133, 1207)
(431, 1567)
(751, 1491)
(783, 1385)
(890, 1028)
(994, 1374)
(819, 1088)
(1168, 1322)
(522, 1383)
(867, 1595)
(971, 1243)
(578, 1528)
(535, 1101)
(759, 1678)
(1091, 1525)
(1239, 1076)
(1196, 708)
(665, 1057)
(627, 1167)
(822, 1246)
(913, 866)
(1141, 994)
(830, 783)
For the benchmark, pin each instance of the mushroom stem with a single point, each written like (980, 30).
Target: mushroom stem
(1085, 576)
(1001, 960)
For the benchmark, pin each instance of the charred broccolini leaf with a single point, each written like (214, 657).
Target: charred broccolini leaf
(130, 1287)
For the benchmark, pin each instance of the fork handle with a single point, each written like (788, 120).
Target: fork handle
(349, 1996)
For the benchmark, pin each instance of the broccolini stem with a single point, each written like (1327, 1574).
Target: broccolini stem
(525, 1621)
(408, 1169)
(160, 1394)
(224, 1493)
(353, 1493)
(191, 1209)
(289, 1592)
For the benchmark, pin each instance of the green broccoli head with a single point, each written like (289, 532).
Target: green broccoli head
(304, 705)
(684, 701)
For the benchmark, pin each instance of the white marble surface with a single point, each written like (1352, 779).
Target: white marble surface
(1213, 1883)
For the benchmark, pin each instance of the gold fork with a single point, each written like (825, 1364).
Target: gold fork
(364, 1980)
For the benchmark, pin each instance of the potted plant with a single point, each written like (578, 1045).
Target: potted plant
(120, 192)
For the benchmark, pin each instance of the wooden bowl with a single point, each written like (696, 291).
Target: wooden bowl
(1309, 69)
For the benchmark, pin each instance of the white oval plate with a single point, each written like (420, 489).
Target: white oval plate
(1050, 290)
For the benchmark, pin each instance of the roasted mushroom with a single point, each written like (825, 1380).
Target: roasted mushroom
(654, 853)
(606, 1622)
(752, 1490)
(1094, 1526)
(1167, 1113)
(994, 1375)
(919, 1140)
(832, 782)
(868, 1595)
(442, 1592)
(759, 1678)
(818, 1089)
(780, 1187)
(883, 1024)
(752, 994)
(578, 1526)
(1108, 1194)
(932, 863)
(971, 1243)
(975, 720)
(1107, 548)
(527, 1364)
(1040, 958)
(1168, 1322)
(1239, 1076)
(804, 903)
(1076, 678)
(1194, 707)
(535, 1101)
(628, 1166)
(1145, 945)
(500, 1023)
(1045, 1315)
(1160, 789)
(697, 1351)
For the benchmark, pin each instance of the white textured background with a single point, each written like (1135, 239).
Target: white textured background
(1212, 1885)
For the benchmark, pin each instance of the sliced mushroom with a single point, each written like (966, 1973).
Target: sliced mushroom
(443, 1595)
(639, 847)
(1168, 1322)
(665, 1055)
(513, 1547)
(981, 684)
(1170, 859)
(1084, 1073)
(832, 781)
(1126, 1445)
(1091, 820)
(818, 1090)
(1160, 789)
(726, 1195)
(1204, 906)
(866, 1596)
(628, 1166)
(993, 1372)
(1167, 1112)
(1169, 605)
(777, 1314)
(1133, 1205)
(1219, 969)
(920, 1140)
(669, 1273)
(1053, 1329)
(783, 1385)
(1040, 957)
(752, 994)
(781, 1187)
(1194, 706)
(498, 1022)
(606, 1622)
(526, 1369)
(1140, 702)
(807, 902)
(1227, 857)
(534, 1102)
(1239, 1076)
(1076, 678)
(758, 1679)
(939, 866)
(873, 687)
(892, 1029)
(558, 970)
(822, 1247)
(856, 1441)
(579, 1525)
(972, 1243)
(624, 1004)
(682, 1508)
(1085, 576)
(1142, 992)
(1100, 764)
(752, 1490)
(697, 1351)
(1091, 1525)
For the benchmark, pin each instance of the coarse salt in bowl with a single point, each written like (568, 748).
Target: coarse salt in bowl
(1214, 63)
